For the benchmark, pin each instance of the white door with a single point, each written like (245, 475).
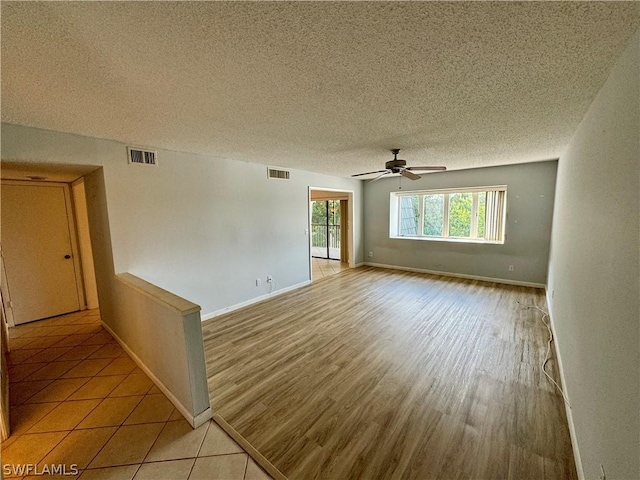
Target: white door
(37, 251)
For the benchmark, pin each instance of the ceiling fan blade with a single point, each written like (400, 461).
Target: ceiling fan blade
(369, 173)
(386, 172)
(408, 174)
(428, 168)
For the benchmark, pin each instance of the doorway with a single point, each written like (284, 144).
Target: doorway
(330, 225)
(39, 251)
(46, 265)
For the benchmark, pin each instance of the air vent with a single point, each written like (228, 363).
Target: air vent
(141, 157)
(274, 173)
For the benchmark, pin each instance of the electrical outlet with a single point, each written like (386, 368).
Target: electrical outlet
(269, 279)
(258, 282)
(511, 268)
(370, 254)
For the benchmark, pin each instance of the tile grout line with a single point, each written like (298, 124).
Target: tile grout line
(83, 418)
(156, 439)
(246, 464)
(49, 451)
(203, 439)
(117, 427)
(122, 424)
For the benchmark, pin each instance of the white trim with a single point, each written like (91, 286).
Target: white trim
(360, 264)
(445, 221)
(75, 248)
(87, 267)
(569, 413)
(327, 189)
(452, 190)
(165, 298)
(5, 294)
(449, 239)
(474, 214)
(458, 275)
(240, 305)
(201, 417)
(350, 224)
(194, 421)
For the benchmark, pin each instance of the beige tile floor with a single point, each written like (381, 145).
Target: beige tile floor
(77, 398)
(322, 267)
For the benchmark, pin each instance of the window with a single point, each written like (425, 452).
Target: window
(462, 214)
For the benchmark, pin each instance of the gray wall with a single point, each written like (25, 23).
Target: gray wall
(530, 191)
(202, 227)
(594, 276)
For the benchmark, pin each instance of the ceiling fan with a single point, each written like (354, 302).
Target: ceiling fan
(398, 165)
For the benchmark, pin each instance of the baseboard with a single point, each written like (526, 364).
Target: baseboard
(195, 421)
(238, 306)
(201, 418)
(250, 449)
(457, 275)
(569, 413)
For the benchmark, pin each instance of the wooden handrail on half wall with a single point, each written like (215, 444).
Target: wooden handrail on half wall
(162, 333)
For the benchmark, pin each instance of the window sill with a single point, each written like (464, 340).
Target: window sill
(451, 240)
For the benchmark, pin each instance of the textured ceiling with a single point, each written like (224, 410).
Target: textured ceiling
(319, 86)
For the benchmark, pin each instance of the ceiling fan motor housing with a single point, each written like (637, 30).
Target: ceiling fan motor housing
(395, 164)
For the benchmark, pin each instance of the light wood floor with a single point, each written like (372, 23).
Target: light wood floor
(378, 374)
(323, 267)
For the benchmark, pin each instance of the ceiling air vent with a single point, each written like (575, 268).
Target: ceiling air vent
(141, 157)
(274, 173)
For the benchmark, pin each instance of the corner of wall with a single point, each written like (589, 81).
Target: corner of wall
(567, 408)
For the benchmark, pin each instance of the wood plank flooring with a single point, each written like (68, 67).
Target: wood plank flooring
(381, 374)
(322, 267)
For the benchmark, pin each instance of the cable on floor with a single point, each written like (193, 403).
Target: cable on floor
(545, 320)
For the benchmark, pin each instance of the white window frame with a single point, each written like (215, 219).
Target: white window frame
(394, 217)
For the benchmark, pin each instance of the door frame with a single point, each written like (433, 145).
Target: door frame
(350, 225)
(5, 419)
(73, 236)
(4, 292)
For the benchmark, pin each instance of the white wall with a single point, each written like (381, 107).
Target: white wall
(594, 275)
(163, 333)
(201, 227)
(530, 191)
(148, 321)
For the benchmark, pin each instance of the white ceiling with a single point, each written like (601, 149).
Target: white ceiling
(320, 86)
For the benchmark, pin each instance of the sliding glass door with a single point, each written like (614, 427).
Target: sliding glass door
(325, 229)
